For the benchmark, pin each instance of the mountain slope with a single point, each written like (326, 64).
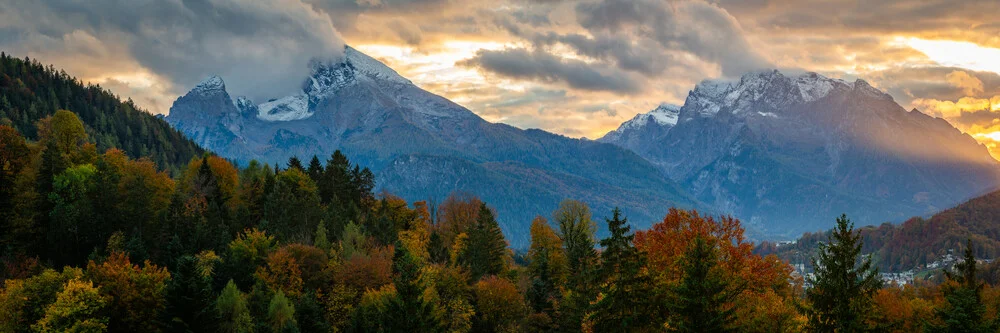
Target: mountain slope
(422, 146)
(918, 241)
(788, 154)
(30, 91)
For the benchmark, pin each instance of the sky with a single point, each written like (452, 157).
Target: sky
(577, 68)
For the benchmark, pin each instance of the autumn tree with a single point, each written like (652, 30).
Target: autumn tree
(546, 267)
(843, 285)
(501, 307)
(627, 301)
(136, 295)
(78, 308)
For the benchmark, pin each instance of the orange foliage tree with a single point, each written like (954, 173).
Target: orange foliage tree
(767, 296)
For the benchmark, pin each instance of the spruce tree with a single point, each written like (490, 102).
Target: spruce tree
(487, 250)
(408, 310)
(843, 285)
(315, 170)
(626, 287)
(964, 309)
(189, 299)
(295, 163)
(701, 297)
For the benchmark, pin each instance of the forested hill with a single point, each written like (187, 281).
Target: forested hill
(30, 91)
(918, 241)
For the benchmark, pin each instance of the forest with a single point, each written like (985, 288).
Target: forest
(111, 221)
(100, 242)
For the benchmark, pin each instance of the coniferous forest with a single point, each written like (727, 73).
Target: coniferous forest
(95, 240)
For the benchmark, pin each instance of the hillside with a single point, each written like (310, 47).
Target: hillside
(30, 91)
(916, 242)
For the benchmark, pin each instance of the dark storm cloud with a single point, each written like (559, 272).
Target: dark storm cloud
(546, 67)
(261, 48)
(637, 58)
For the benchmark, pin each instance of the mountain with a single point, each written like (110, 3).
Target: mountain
(788, 154)
(917, 242)
(422, 146)
(30, 91)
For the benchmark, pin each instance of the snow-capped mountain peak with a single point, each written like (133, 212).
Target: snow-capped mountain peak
(664, 115)
(212, 83)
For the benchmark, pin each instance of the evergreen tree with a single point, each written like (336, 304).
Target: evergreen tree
(295, 163)
(842, 287)
(626, 287)
(487, 250)
(315, 169)
(189, 299)
(701, 297)
(964, 309)
(407, 309)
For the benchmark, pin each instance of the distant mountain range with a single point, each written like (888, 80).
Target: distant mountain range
(422, 146)
(788, 154)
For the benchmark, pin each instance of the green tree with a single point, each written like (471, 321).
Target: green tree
(320, 240)
(234, 315)
(964, 309)
(487, 250)
(408, 310)
(281, 314)
(576, 229)
(701, 298)
(189, 299)
(843, 284)
(626, 287)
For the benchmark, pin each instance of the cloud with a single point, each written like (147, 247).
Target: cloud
(255, 45)
(970, 85)
(546, 67)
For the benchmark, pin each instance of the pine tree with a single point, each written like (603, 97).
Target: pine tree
(964, 309)
(842, 288)
(487, 250)
(626, 287)
(281, 314)
(701, 297)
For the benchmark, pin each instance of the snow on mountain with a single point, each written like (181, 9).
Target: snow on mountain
(421, 145)
(288, 108)
(787, 153)
(212, 83)
(368, 65)
(665, 114)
